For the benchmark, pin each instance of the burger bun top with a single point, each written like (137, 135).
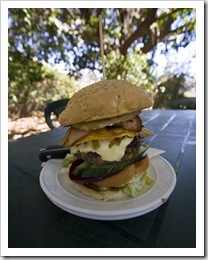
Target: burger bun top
(103, 100)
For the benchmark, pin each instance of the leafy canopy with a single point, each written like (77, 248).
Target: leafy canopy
(72, 36)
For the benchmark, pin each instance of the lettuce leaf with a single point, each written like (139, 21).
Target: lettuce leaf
(69, 158)
(136, 184)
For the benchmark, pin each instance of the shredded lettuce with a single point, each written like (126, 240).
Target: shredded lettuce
(69, 158)
(136, 184)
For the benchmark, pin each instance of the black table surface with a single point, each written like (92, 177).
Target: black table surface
(35, 222)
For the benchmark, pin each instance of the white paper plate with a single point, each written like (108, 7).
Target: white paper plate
(59, 189)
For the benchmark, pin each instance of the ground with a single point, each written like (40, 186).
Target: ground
(26, 126)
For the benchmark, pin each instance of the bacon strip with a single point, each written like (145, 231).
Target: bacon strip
(133, 124)
(73, 135)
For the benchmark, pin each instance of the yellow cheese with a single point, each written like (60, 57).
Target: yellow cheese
(107, 133)
(105, 150)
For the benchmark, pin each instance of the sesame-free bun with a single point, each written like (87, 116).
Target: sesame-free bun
(103, 100)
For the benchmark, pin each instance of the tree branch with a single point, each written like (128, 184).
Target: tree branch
(149, 45)
(142, 28)
(167, 27)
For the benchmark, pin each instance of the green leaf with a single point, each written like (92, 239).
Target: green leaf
(137, 184)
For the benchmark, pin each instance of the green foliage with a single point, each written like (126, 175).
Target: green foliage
(131, 67)
(72, 36)
(32, 85)
(170, 92)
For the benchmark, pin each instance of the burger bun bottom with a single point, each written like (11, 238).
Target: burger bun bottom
(105, 195)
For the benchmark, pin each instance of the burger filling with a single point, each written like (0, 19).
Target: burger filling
(107, 153)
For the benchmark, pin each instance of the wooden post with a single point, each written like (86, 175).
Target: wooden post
(101, 46)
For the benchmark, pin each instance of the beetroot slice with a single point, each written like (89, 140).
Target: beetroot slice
(82, 180)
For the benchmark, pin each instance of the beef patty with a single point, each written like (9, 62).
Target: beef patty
(96, 159)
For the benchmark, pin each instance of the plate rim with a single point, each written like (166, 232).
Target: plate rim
(99, 214)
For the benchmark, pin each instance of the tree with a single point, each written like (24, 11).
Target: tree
(169, 91)
(32, 85)
(72, 35)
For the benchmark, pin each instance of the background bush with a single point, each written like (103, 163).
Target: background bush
(32, 85)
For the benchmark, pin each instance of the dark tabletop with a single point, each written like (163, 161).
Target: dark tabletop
(35, 222)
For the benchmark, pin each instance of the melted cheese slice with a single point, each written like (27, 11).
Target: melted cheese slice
(112, 153)
(107, 133)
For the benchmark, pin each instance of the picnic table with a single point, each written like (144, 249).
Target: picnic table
(34, 221)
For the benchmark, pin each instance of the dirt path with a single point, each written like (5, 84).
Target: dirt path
(26, 126)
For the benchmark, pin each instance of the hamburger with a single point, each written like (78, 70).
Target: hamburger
(105, 138)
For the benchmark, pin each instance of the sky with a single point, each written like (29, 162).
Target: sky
(180, 59)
